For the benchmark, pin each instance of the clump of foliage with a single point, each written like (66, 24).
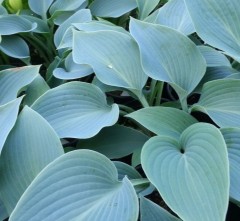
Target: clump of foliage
(105, 102)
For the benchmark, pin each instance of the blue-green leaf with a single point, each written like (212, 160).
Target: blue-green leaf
(3, 212)
(115, 142)
(146, 7)
(40, 7)
(163, 120)
(80, 185)
(76, 109)
(12, 24)
(9, 44)
(30, 146)
(112, 8)
(220, 99)
(167, 55)
(217, 23)
(174, 14)
(111, 62)
(8, 117)
(13, 79)
(232, 139)
(192, 173)
(152, 212)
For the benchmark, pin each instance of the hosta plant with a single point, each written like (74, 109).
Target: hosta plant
(119, 110)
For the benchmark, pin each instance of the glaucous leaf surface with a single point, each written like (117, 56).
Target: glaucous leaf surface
(213, 57)
(220, 99)
(192, 173)
(152, 211)
(80, 185)
(3, 212)
(112, 8)
(115, 142)
(163, 120)
(76, 109)
(232, 139)
(8, 117)
(31, 145)
(72, 70)
(174, 14)
(83, 15)
(9, 44)
(42, 26)
(111, 62)
(146, 7)
(13, 24)
(167, 55)
(40, 7)
(217, 23)
(14, 79)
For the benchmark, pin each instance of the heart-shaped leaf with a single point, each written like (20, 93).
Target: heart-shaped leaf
(40, 7)
(232, 139)
(163, 120)
(111, 62)
(145, 7)
(217, 23)
(30, 146)
(115, 142)
(76, 109)
(192, 173)
(220, 99)
(80, 185)
(174, 14)
(151, 211)
(112, 8)
(8, 117)
(167, 55)
(13, 79)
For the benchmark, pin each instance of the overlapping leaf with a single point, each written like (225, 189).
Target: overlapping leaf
(220, 99)
(115, 142)
(192, 173)
(111, 62)
(112, 8)
(40, 7)
(169, 56)
(12, 80)
(232, 139)
(163, 120)
(8, 117)
(146, 7)
(81, 185)
(30, 146)
(217, 22)
(76, 109)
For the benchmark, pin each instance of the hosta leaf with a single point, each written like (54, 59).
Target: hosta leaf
(76, 109)
(213, 57)
(112, 8)
(115, 142)
(13, 79)
(3, 212)
(174, 14)
(163, 120)
(167, 55)
(65, 5)
(232, 139)
(42, 26)
(12, 24)
(34, 90)
(81, 185)
(192, 173)
(40, 7)
(83, 15)
(111, 62)
(146, 7)
(151, 211)
(217, 23)
(8, 117)
(9, 44)
(72, 70)
(30, 146)
(220, 99)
